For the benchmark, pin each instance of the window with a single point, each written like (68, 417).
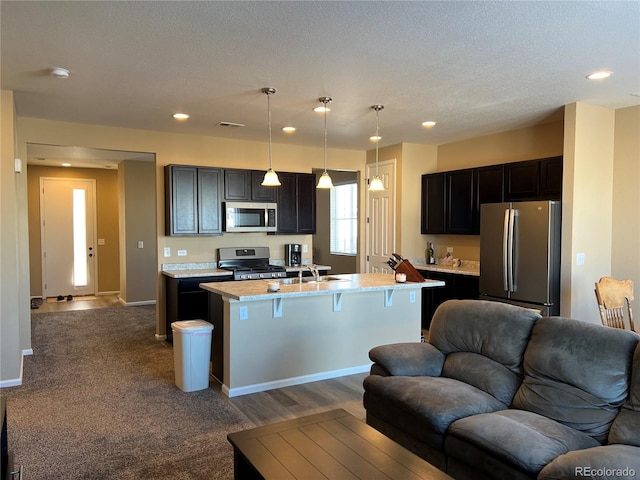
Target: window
(344, 219)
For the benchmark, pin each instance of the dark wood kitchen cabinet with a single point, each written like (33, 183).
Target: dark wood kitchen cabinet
(459, 209)
(192, 200)
(296, 199)
(246, 185)
(432, 212)
(457, 286)
(534, 180)
(185, 300)
(488, 187)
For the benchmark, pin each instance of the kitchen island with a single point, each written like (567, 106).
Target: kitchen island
(307, 331)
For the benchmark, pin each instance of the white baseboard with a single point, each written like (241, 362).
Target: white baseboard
(135, 304)
(115, 292)
(161, 337)
(287, 382)
(15, 382)
(28, 351)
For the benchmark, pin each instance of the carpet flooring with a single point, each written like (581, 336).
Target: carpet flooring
(98, 401)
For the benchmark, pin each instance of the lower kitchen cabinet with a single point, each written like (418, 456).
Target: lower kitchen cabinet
(456, 287)
(185, 300)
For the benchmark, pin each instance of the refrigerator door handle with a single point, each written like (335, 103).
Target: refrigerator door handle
(505, 250)
(512, 219)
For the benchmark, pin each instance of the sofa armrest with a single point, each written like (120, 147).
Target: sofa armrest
(408, 359)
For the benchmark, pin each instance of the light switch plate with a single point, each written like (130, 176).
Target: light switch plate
(167, 251)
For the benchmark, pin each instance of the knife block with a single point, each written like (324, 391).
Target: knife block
(409, 270)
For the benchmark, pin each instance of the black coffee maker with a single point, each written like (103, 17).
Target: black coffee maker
(293, 254)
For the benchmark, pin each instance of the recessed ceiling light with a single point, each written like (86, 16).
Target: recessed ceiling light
(321, 109)
(66, 164)
(288, 129)
(180, 116)
(59, 72)
(429, 124)
(599, 75)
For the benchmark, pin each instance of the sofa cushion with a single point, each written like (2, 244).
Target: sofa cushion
(517, 438)
(497, 333)
(424, 407)
(411, 359)
(626, 426)
(602, 462)
(577, 373)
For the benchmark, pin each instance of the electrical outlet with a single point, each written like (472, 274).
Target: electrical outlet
(244, 313)
(140, 244)
(167, 251)
(412, 297)
(305, 248)
(449, 249)
(182, 253)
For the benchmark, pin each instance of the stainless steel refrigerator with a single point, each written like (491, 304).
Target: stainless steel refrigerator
(520, 254)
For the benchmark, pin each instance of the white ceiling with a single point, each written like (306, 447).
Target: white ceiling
(476, 67)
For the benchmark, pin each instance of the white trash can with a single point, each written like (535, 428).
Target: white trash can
(192, 354)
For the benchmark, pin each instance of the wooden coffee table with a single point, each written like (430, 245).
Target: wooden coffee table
(329, 445)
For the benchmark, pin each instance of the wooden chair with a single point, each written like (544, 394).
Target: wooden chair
(613, 295)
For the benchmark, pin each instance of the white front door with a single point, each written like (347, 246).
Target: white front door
(67, 214)
(381, 219)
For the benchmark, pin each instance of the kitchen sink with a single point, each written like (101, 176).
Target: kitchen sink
(321, 279)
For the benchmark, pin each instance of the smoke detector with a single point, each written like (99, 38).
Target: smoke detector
(59, 72)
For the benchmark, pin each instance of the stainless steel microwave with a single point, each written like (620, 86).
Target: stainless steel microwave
(250, 217)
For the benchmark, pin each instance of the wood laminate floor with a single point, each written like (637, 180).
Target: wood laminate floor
(77, 303)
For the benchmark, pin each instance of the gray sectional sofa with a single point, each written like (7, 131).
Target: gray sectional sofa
(499, 392)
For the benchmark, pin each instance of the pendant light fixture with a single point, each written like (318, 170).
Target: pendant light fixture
(325, 180)
(270, 177)
(376, 184)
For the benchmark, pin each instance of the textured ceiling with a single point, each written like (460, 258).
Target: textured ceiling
(476, 67)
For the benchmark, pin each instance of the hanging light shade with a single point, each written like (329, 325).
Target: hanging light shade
(270, 177)
(325, 180)
(376, 184)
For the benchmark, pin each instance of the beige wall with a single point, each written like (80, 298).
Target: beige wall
(136, 184)
(625, 254)
(107, 223)
(416, 161)
(586, 206)
(15, 322)
(193, 150)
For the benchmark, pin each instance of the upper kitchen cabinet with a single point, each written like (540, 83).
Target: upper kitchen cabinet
(534, 180)
(246, 185)
(296, 199)
(551, 178)
(522, 180)
(192, 200)
(459, 211)
(488, 187)
(432, 208)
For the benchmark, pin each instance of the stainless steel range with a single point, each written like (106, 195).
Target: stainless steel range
(249, 263)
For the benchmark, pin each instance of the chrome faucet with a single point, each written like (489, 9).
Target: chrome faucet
(314, 271)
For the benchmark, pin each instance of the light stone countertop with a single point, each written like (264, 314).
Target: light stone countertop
(209, 269)
(249, 290)
(468, 267)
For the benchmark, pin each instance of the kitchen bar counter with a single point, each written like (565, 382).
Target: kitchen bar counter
(307, 332)
(349, 283)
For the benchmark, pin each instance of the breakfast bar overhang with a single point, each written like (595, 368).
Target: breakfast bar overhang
(307, 330)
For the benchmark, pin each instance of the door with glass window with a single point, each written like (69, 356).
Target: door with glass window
(67, 213)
